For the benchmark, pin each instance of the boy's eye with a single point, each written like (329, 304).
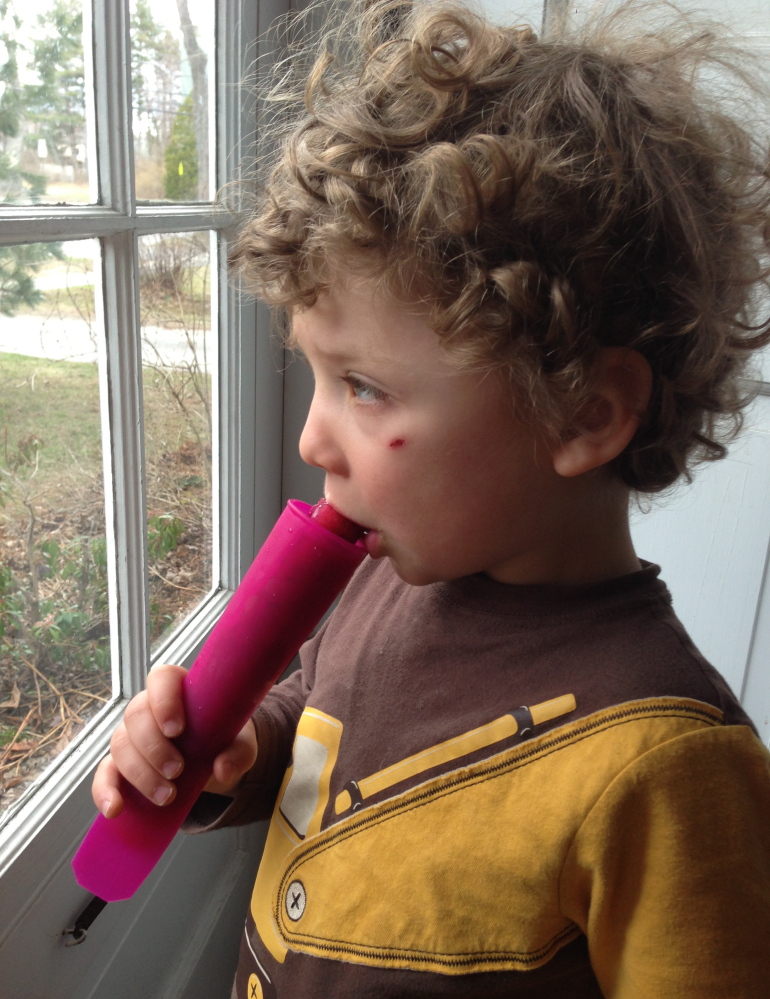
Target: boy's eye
(363, 391)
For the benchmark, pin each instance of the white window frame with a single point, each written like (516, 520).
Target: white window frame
(248, 401)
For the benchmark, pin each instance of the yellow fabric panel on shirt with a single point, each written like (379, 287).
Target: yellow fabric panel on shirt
(325, 732)
(670, 872)
(464, 872)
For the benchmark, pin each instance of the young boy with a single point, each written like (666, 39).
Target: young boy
(521, 272)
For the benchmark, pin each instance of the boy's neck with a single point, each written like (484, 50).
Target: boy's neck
(590, 541)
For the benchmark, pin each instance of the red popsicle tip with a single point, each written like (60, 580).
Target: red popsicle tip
(333, 521)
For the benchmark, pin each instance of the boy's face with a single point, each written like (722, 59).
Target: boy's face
(426, 455)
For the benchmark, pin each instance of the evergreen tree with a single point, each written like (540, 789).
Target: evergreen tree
(154, 92)
(180, 182)
(18, 265)
(198, 69)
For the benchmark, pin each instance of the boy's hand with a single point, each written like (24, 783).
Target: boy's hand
(141, 750)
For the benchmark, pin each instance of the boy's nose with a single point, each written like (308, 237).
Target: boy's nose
(318, 445)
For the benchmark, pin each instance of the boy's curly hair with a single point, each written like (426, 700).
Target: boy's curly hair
(543, 199)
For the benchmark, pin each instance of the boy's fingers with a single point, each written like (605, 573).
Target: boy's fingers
(105, 789)
(164, 690)
(140, 750)
(235, 761)
(142, 753)
(138, 769)
(140, 732)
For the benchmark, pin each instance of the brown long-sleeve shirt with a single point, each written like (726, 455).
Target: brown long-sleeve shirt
(450, 822)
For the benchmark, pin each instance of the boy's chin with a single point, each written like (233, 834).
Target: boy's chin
(413, 576)
(414, 573)
(409, 566)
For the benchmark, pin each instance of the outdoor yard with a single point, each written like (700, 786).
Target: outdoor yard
(54, 611)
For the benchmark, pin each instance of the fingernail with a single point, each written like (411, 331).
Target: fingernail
(172, 728)
(105, 807)
(161, 795)
(171, 769)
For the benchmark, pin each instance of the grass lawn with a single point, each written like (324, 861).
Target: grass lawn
(56, 402)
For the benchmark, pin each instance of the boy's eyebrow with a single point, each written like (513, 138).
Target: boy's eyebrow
(338, 356)
(347, 354)
(330, 354)
(333, 356)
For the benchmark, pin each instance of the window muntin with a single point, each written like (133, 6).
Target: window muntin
(178, 364)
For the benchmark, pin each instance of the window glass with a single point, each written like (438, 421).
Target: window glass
(172, 65)
(54, 627)
(178, 355)
(43, 143)
(523, 12)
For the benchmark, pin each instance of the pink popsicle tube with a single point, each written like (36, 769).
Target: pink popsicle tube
(296, 575)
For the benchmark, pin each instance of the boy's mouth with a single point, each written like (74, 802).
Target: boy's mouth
(349, 529)
(332, 518)
(372, 537)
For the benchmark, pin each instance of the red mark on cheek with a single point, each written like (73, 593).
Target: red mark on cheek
(398, 442)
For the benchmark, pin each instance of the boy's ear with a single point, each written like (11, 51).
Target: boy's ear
(610, 418)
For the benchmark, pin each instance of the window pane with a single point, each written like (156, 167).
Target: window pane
(178, 351)
(172, 63)
(54, 630)
(43, 145)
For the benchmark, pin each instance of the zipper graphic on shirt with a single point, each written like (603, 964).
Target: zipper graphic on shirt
(521, 721)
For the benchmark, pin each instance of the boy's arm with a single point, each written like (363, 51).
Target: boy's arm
(669, 875)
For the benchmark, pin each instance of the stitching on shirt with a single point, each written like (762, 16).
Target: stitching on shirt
(445, 960)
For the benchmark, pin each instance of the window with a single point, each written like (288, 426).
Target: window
(144, 431)
(128, 369)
